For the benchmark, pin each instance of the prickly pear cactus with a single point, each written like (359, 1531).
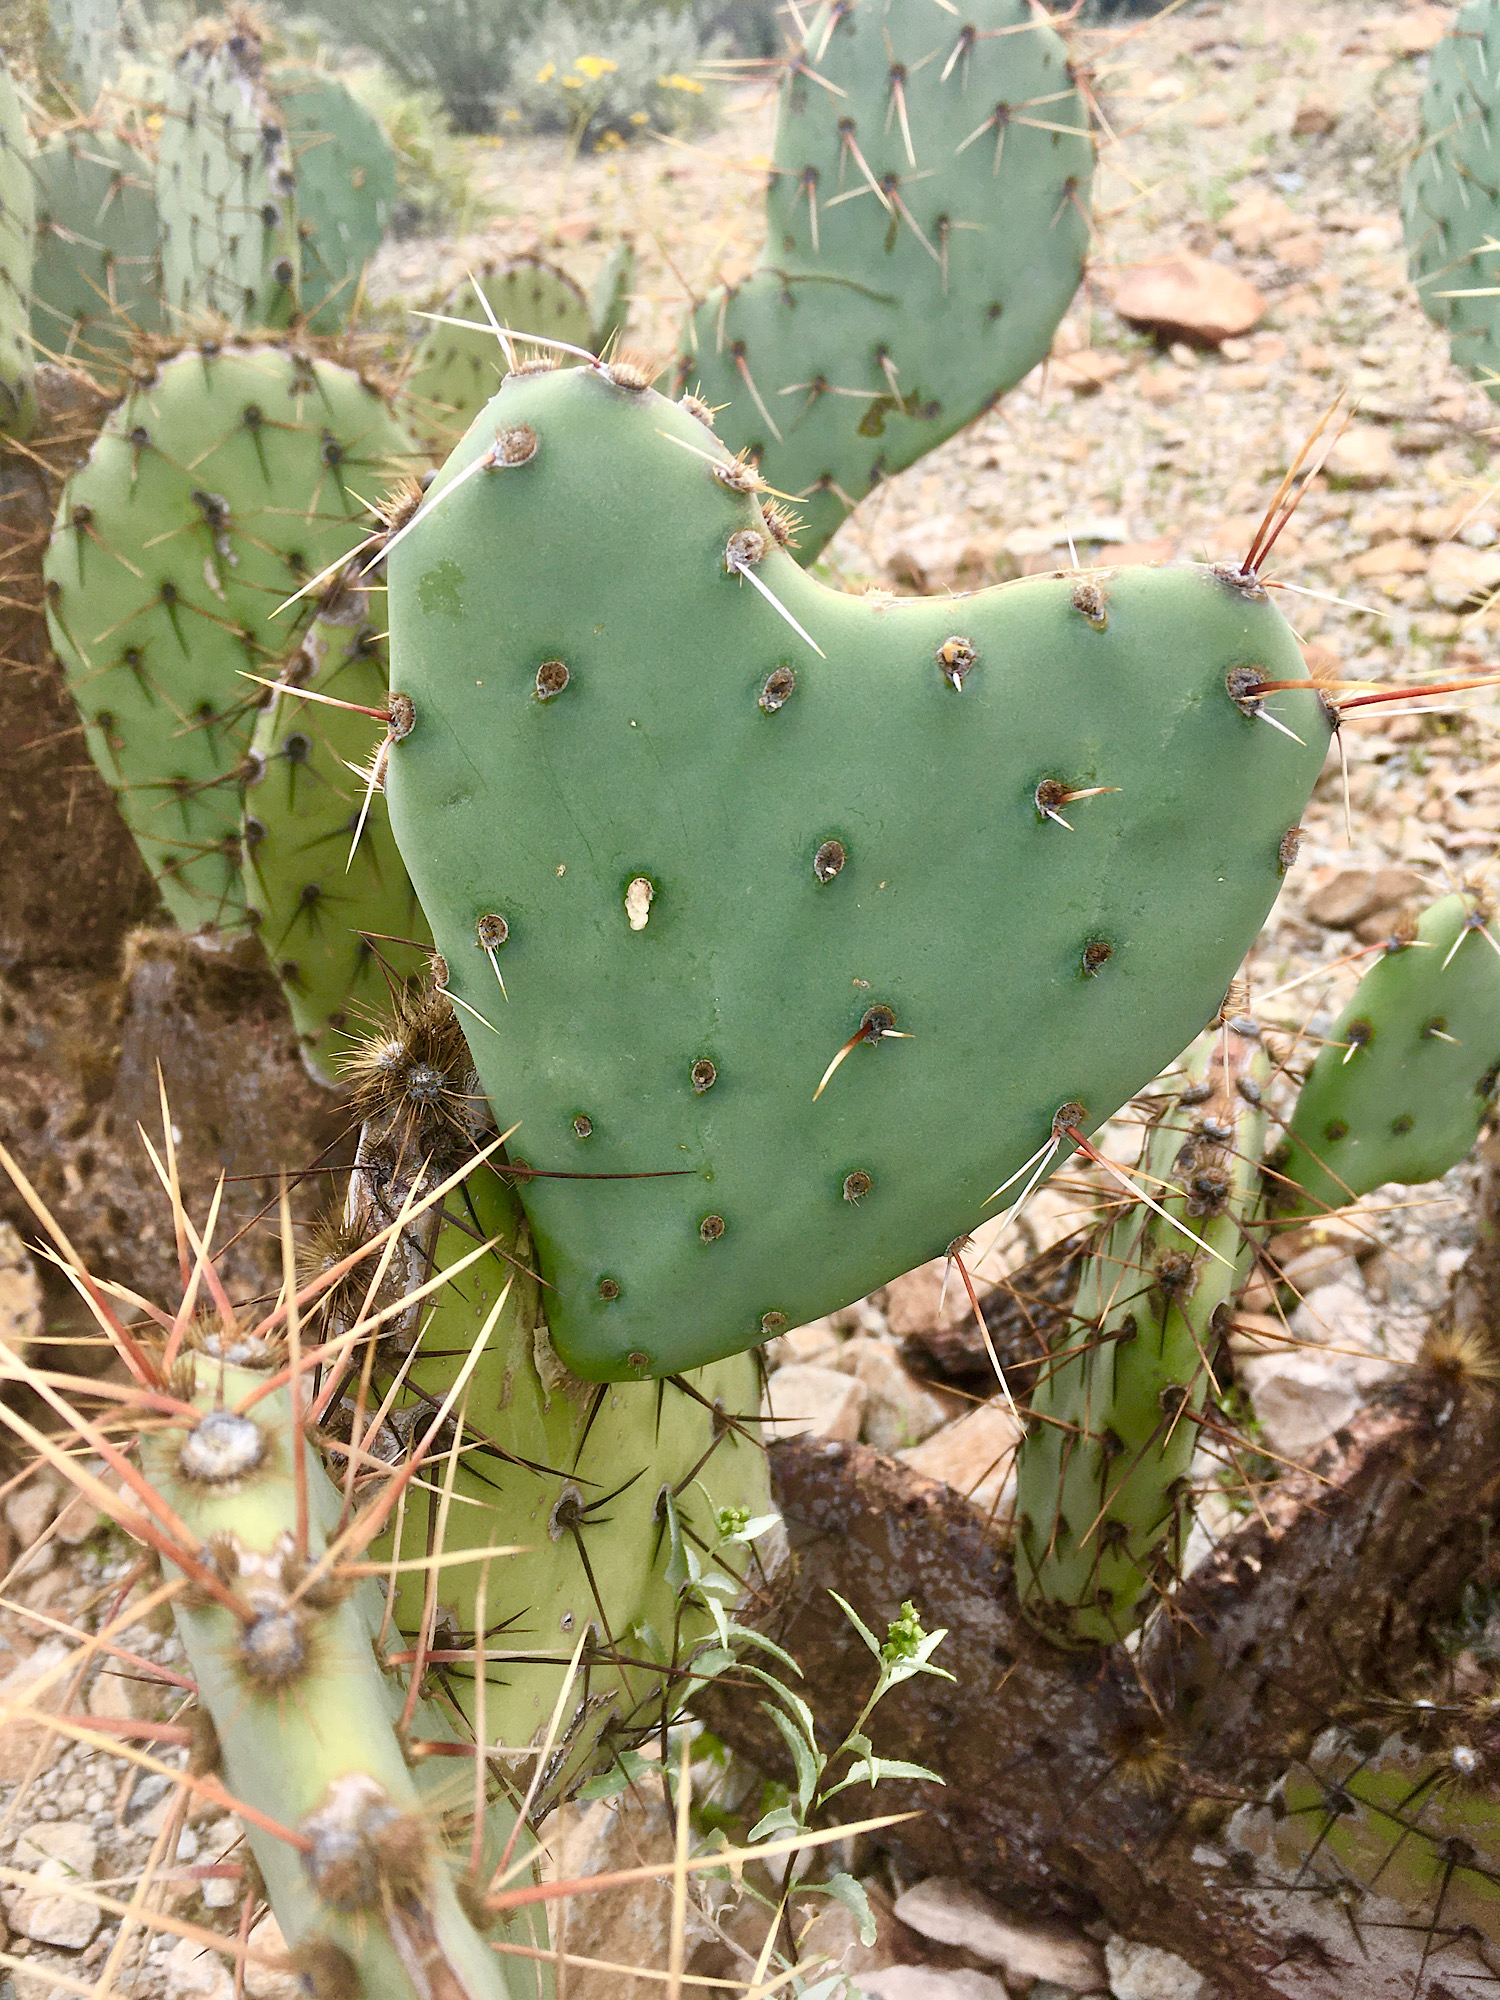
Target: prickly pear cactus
(273, 187)
(712, 851)
(603, 1488)
(86, 39)
(1450, 202)
(1407, 1076)
(285, 1654)
(1402, 1822)
(97, 278)
(218, 487)
(609, 301)
(329, 906)
(926, 226)
(456, 369)
(17, 228)
(1103, 1502)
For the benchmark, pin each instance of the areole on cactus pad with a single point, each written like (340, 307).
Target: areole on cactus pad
(1004, 853)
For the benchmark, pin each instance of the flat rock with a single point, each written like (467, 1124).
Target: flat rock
(1458, 575)
(1189, 297)
(56, 1855)
(948, 1910)
(1357, 893)
(20, 1293)
(1315, 115)
(26, 1742)
(806, 1397)
(1145, 1972)
(898, 1410)
(920, 1300)
(195, 1973)
(1303, 1394)
(268, 1970)
(1364, 456)
(29, 1511)
(976, 1456)
(929, 1982)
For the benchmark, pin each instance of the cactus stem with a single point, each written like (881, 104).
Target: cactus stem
(1133, 1187)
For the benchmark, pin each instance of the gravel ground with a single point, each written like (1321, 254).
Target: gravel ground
(1269, 139)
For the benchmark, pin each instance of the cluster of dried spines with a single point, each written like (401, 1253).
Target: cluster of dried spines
(273, 185)
(230, 475)
(17, 231)
(1407, 1075)
(926, 227)
(97, 280)
(465, 353)
(315, 1731)
(715, 825)
(324, 882)
(1395, 1815)
(585, 1631)
(1103, 1497)
(1450, 203)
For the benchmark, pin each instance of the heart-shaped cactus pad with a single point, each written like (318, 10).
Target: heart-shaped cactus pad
(706, 848)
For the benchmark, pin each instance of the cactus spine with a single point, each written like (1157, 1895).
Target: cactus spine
(926, 224)
(1102, 1480)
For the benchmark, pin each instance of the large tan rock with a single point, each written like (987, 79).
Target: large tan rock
(975, 1455)
(947, 1909)
(20, 1294)
(26, 1740)
(1187, 297)
(57, 1856)
(806, 1398)
(1458, 576)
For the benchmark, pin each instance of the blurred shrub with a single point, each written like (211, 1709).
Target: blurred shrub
(459, 49)
(603, 78)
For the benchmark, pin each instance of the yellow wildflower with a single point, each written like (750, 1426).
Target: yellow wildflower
(676, 81)
(594, 67)
(546, 73)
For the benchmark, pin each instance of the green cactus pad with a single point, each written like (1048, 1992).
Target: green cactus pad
(1102, 1495)
(609, 301)
(1408, 1074)
(273, 190)
(1398, 1816)
(97, 277)
(17, 229)
(313, 892)
(576, 1476)
(926, 226)
(213, 492)
(86, 42)
(345, 189)
(456, 369)
(721, 857)
(1450, 201)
